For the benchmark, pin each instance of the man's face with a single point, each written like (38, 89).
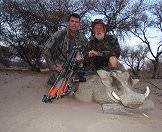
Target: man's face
(99, 31)
(74, 24)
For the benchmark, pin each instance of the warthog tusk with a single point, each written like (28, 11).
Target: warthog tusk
(147, 92)
(145, 115)
(115, 96)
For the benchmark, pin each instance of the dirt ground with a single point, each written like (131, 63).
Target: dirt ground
(21, 109)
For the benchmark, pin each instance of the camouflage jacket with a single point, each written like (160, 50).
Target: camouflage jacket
(108, 46)
(57, 46)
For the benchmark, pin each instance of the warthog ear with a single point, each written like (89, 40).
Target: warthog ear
(135, 81)
(131, 81)
(105, 76)
(102, 73)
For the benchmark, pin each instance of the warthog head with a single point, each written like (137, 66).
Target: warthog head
(121, 88)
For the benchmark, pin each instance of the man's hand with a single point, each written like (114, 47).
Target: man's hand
(93, 53)
(79, 57)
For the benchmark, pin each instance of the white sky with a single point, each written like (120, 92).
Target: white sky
(154, 37)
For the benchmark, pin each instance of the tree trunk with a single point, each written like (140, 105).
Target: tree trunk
(155, 68)
(35, 68)
(23, 54)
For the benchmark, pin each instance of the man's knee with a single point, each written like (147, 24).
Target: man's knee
(113, 61)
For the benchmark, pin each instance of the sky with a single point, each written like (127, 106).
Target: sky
(154, 38)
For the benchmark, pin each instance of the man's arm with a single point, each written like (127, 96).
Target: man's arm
(47, 52)
(50, 51)
(117, 49)
(114, 53)
(113, 48)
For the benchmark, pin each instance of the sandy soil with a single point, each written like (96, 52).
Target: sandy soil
(21, 109)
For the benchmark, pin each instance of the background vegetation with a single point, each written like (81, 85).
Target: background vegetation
(25, 26)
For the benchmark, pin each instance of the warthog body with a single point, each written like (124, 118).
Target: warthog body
(114, 91)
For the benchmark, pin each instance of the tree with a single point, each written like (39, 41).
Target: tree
(120, 15)
(156, 10)
(146, 23)
(134, 58)
(5, 55)
(26, 25)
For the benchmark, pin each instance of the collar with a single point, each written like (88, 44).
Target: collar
(71, 36)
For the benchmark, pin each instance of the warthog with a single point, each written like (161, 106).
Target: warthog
(114, 89)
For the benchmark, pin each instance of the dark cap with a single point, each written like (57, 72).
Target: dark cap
(98, 21)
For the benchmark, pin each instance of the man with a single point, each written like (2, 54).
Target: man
(103, 50)
(59, 46)
(61, 43)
